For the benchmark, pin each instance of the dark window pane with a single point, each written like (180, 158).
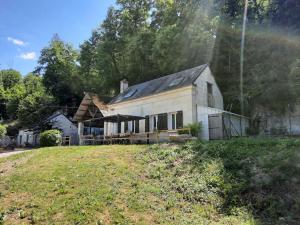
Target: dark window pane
(173, 122)
(137, 126)
(119, 127)
(179, 120)
(147, 124)
(163, 121)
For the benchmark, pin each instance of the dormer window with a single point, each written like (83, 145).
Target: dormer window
(130, 93)
(176, 82)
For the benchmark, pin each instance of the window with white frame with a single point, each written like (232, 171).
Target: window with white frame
(172, 121)
(175, 120)
(153, 122)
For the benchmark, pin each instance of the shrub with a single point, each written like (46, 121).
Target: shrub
(2, 131)
(50, 138)
(194, 127)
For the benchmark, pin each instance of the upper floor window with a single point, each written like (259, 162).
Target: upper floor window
(210, 97)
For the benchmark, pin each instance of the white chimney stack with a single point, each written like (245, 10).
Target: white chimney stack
(123, 85)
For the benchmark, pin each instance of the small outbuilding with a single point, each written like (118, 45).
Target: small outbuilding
(31, 137)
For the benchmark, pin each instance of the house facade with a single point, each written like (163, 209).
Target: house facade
(31, 137)
(165, 104)
(177, 104)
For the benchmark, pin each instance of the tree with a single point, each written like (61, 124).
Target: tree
(11, 91)
(34, 108)
(36, 104)
(294, 77)
(10, 78)
(33, 83)
(2, 131)
(58, 65)
(143, 40)
(14, 96)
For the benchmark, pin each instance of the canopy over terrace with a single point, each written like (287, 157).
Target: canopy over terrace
(118, 118)
(92, 106)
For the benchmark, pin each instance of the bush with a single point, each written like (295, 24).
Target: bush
(50, 138)
(194, 127)
(2, 131)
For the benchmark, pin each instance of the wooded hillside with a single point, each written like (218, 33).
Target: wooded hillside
(146, 39)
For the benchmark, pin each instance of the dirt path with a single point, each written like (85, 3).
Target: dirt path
(9, 153)
(8, 167)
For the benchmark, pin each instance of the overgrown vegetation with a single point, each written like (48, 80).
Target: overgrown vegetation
(243, 181)
(257, 180)
(2, 130)
(50, 138)
(195, 129)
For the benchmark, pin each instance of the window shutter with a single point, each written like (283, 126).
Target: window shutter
(126, 126)
(132, 126)
(179, 120)
(162, 121)
(119, 127)
(137, 126)
(147, 124)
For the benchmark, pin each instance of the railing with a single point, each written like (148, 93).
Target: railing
(66, 140)
(129, 138)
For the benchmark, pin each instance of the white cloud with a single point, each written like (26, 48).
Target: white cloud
(28, 55)
(16, 41)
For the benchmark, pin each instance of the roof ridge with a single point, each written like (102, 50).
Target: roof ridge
(204, 66)
(161, 84)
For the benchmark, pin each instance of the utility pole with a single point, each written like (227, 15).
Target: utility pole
(242, 56)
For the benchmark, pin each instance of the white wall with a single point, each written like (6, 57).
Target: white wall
(202, 117)
(62, 123)
(25, 136)
(200, 92)
(66, 126)
(167, 102)
(191, 100)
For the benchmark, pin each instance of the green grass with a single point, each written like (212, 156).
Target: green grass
(226, 182)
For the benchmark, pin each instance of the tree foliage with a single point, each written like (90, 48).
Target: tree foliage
(142, 40)
(146, 39)
(2, 131)
(57, 64)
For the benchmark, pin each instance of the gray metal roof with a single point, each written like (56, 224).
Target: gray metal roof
(162, 84)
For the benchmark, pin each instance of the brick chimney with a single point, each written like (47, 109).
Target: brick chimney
(123, 85)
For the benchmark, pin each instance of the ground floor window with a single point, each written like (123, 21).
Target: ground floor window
(153, 122)
(137, 126)
(175, 120)
(164, 121)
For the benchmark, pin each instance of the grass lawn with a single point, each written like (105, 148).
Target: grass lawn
(227, 182)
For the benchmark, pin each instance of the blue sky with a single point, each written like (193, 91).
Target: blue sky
(26, 26)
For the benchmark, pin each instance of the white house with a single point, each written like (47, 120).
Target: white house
(56, 121)
(27, 137)
(167, 104)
